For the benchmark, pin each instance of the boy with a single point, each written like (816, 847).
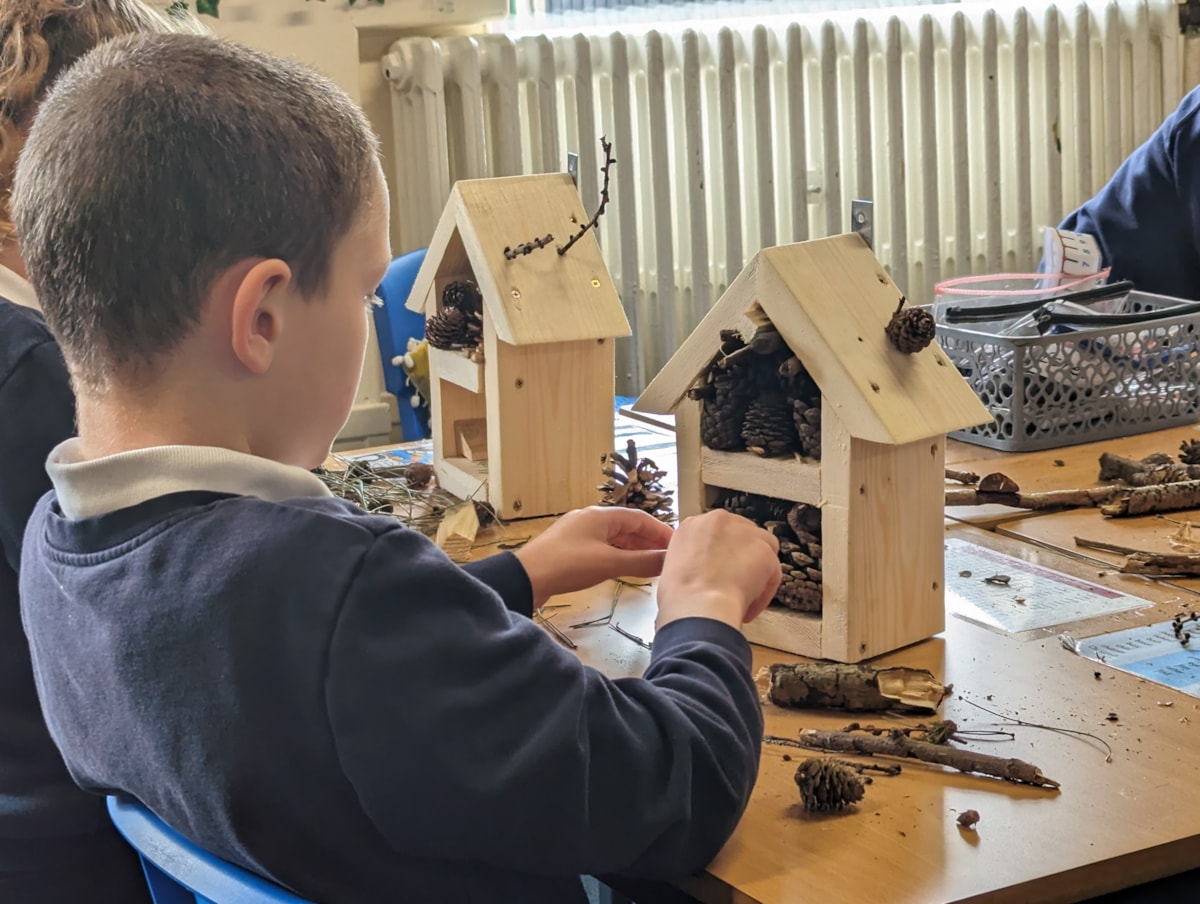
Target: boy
(317, 694)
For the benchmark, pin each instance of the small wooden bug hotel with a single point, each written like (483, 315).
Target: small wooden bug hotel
(522, 387)
(796, 408)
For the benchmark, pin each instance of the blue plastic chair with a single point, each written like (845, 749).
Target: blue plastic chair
(395, 325)
(178, 872)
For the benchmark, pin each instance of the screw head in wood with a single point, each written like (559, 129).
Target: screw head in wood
(518, 382)
(516, 505)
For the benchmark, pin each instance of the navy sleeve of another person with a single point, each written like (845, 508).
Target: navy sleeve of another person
(37, 412)
(1147, 218)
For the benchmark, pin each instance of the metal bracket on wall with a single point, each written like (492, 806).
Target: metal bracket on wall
(862, 220)
(573, 166)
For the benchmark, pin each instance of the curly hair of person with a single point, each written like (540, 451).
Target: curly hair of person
(39, 39)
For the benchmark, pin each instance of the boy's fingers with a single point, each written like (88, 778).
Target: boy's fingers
(640, 563)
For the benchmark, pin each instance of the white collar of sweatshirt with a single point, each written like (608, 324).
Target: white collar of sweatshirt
(86, 489)
(17, 289)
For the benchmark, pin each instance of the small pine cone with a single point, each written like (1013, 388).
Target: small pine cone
(418, 475)
(464, 296)
(911, 329)
(1189, 452)
(768, 428)
(447, 329)
(797, 592)
(827, 785)
(724, 410)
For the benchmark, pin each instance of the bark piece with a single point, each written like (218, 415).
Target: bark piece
(856, 688)
(1168, 497)
(1162, 564)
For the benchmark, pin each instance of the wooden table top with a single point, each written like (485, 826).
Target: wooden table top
(1110, 826)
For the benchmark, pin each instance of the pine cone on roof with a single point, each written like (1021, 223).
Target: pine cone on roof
(827, 785)
(911, 329)
(768, 428)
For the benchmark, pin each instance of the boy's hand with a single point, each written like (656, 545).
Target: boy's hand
(591, 545)
(719, 566)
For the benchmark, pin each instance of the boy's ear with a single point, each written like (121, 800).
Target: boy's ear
(257, 312)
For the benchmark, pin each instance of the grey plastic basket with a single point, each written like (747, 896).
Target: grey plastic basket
(1089, 383)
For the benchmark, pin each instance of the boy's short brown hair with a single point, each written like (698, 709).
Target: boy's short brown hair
(157, 162)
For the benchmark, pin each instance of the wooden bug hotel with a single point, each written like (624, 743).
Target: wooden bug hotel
(796, 407)
(521, 338)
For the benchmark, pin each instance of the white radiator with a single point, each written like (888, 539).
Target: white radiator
(970, 127)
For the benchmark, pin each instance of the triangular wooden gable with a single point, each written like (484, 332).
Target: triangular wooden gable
(535, 298)
(830, 299)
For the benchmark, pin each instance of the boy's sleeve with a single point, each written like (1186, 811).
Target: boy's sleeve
(505, 574)
(1146, 219)
(468, 733)
(37, 412)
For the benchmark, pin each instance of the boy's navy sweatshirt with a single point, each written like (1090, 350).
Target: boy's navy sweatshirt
(1146, 220)
(323, 697)
(57, 845)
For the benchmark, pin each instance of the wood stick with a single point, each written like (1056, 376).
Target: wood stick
(1012, 770)
(857, 688)
(1162, 563)
(1084, 543)
(1086, 497)
(967, 477)
(1167, 497)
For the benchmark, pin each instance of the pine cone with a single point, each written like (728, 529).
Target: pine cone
(827, 785)
(447, 329)
(759, 509)
(797, 591)
(464, 296)
(805, 398)
(1189, 452)
(636, 483)
(767, 428)
(911, 329)
(727, 396)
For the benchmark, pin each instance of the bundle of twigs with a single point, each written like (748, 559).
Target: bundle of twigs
(405, 492)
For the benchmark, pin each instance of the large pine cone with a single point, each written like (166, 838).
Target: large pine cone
(768, 428)
(911, 329)
(805, 398)
(729, 394)
(447, 329)
(827, 785)
(759, 509)
(462, 295)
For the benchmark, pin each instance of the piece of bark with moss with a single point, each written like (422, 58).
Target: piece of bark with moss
(854, 688)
